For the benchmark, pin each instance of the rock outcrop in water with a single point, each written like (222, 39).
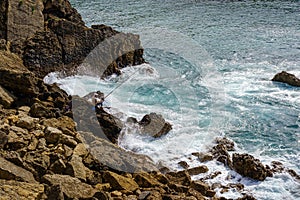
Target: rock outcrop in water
(288, 78)
(53, 37)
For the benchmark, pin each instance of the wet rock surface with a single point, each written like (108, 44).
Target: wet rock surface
(53, 146)
(288, 78)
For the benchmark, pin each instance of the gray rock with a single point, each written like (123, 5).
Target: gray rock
(154, 125)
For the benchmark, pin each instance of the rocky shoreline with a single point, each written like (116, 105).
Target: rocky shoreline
(50, 151)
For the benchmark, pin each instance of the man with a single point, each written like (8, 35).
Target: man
(99, 99)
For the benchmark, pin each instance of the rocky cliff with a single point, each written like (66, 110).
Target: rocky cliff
(50, 35)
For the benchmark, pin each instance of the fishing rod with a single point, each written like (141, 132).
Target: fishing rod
(120, 84)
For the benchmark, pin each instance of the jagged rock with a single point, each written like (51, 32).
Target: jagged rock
(69, 186)
(197, 170)
(20, 190)
(288, 78)
(60, 123)
(58, 166)
(196, 194)
(6, 98)
(178, 188)
(76, 168)
(17, 138)
(15, 77)
(80, 150)
(10, 171)
(103, 186)
(154, 125)
(39, 110)
(247, 165)
(118, 182)
(39, 161)
(203, 188)
(181, 177)
(183, 164)
(116, 157)
(146, 180)
(226, 143)
(61, 9)
(89, 121)
(220, 153)
(110, 125)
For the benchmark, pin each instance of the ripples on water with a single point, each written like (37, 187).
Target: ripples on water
(247, 43)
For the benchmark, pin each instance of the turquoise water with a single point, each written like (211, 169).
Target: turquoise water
(210, 65)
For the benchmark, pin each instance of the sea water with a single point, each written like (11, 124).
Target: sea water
(209, 72)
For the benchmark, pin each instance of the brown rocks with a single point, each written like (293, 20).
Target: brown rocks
(118, 182)
(15, 77)
(247, 165)
(146, 180)
(68, 186)
(21, 190)
(10, 171)
(154, 125)
(288, 78)
(198, 170)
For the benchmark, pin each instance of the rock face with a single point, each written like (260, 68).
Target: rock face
(247, 165)
(288, 78)
(154, 125)
(51, 36)
(24, 19)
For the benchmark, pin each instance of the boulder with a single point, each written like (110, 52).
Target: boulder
(200, 186)
(10, 171)
(119, 182)
(14, 76)
(10, 189)
(52, 135)
(145, 180)
(288, 78)
(76, 168)
(68, 186)
(247, 165)
(100, 122)
(115, 157)
(197, 170)
(181, 178)
(110, 125)
(154, 125)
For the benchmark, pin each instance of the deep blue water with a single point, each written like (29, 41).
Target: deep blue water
(212, 65)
